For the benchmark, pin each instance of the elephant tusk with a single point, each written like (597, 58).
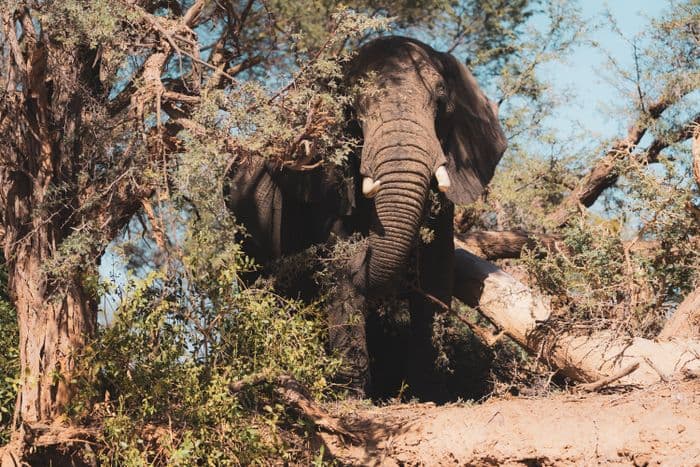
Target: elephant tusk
(442, 178)
(370, 187)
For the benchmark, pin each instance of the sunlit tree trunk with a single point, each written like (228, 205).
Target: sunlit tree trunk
(53, 326)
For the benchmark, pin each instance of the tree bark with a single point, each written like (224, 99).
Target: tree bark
(685, 321)
(491, 244)
(53, 325)
(695, 150)
(523, 315)
(604, 175)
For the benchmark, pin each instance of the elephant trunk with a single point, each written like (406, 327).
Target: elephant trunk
(405, 174)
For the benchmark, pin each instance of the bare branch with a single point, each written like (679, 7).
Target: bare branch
(603, 175)
(292, 393)
(659, 144)
(10, 33)
(601, 383)
(506, 244)
(695, 150)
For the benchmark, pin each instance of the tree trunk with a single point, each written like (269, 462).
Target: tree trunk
(53, 326)
(523, 315)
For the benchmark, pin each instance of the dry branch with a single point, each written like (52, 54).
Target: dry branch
(490, 244)
(29, 437)
(695, 150)
(504, 244)
(601, 383)
(523, 315)
(604, 175)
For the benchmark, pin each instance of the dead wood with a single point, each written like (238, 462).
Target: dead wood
(601, 383)
(604, 173)
(695, 150)
(523, 315)
(506, 243)
(39, 443)
(685, 321)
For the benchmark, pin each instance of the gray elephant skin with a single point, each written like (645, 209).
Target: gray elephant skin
(430, 140)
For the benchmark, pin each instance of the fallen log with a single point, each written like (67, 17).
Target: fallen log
(685, 321)
(523, 315)
(500, 244)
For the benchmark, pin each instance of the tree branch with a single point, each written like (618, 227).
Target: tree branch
(292, 393)
(603, 174)
(506, 244)
(695, 150)
(524, 316)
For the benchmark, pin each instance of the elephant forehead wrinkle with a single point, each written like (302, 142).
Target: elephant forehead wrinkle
(405, 109)
(399, 141)
(403, 147)
(423, 129)
(405, 123)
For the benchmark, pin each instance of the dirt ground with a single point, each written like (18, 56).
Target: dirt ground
(658, 425)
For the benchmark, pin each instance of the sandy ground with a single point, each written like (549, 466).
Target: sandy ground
(659, 425)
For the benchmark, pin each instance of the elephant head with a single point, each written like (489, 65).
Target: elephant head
(424, 123)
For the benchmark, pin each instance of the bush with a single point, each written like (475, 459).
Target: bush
(9, 359)
(161, 371)
(9, 368)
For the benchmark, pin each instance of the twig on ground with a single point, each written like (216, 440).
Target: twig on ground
(601, 383)
(661, 374)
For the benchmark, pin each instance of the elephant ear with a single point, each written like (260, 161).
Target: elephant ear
(471, 134)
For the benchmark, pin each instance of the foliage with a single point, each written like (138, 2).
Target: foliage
(9, 359)
(167, 360)
(628, 262)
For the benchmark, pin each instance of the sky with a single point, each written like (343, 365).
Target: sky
(586, 67)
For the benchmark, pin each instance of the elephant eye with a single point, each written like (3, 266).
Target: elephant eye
(441, 97)
(441, 91)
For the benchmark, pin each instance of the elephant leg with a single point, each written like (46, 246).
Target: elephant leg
(346, 330)
(435, 281)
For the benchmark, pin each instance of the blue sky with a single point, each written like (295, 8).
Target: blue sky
(586, 68)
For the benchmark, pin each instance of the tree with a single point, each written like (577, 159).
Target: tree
(104, 102)
(615, 272)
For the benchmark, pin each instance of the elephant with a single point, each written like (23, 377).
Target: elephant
(430, 139)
